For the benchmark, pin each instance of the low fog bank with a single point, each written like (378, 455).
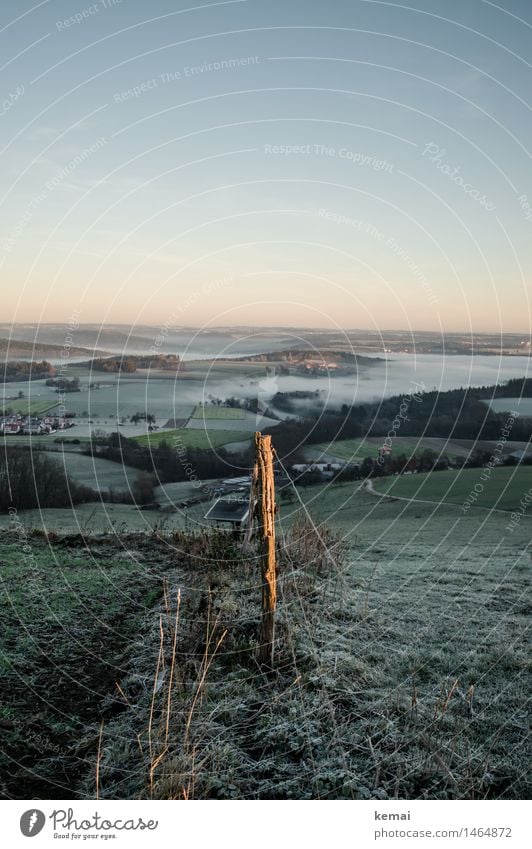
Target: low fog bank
(398, 375)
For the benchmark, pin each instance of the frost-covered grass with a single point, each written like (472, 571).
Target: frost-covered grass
(66, 616)
(95, 472)
(400, 672)
(401, 658)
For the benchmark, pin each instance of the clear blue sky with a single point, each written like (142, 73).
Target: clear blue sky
(353, 164)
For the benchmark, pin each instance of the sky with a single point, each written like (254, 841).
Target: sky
(350, 163)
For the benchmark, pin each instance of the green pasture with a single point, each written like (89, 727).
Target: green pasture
(31, 407)
(501, 488)
(95, 472)
(358, 449)
(191, 437)
(212, 412)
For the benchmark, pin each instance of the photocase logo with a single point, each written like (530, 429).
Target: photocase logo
(32, 822)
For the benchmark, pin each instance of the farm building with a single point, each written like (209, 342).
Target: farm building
(32, 427)
(326, 469)
(229, 511)
(51, 423)
(240, 484)
(12, 427)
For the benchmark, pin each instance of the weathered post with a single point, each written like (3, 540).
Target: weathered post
(266, 518)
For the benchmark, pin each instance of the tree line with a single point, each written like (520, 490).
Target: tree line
(169, 463)
(131, 362)
(29, 479)
(19, 370)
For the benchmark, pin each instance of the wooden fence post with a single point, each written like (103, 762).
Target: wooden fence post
(266, 516)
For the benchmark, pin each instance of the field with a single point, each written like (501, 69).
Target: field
(66, 617)
(211, 412)
(94, 517)
(248, 424)
(191, 437)
(402, 661)
(166, 396)
(357, 449)
(401, 655)
(499, 488)
(348, 509)
(100, 475)
(210, 372)
(346, 449)
(129, 396)
(94, 472)
(30, 407)
(172, 493)
(51, 442)
(506, 405)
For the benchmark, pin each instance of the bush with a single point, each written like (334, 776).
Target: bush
(143, 488)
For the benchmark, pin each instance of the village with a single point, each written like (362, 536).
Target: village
(19, 425)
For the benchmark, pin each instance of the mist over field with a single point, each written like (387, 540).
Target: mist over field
(402, 373)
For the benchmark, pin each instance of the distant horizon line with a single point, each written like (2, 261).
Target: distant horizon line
(270, 327)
